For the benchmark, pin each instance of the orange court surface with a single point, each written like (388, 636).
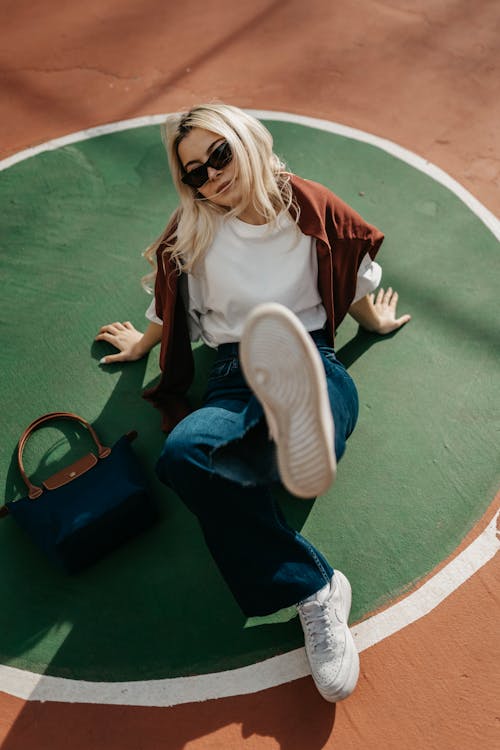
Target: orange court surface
(421, 74)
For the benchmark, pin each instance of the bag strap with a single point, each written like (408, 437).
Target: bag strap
(33, 490)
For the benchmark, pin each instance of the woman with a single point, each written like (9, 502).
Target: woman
(263, 266)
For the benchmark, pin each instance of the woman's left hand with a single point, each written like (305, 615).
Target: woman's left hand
(378, 314)
(385, 309)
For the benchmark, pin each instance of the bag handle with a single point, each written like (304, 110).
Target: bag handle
(33, 490)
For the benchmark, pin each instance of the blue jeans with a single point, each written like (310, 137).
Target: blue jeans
(221, 463)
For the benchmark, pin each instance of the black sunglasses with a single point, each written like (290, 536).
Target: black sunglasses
(219, 158)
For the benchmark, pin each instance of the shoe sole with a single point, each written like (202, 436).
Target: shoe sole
(351, 657)
(284, 369)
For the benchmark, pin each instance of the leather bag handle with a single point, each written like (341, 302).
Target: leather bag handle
(33, 490)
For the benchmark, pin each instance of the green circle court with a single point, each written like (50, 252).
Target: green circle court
(419, 469)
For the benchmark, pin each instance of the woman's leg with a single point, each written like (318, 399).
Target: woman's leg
(210, 460)
(297, 391)
(266, 563)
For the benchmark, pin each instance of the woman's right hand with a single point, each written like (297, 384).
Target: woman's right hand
(122, 336)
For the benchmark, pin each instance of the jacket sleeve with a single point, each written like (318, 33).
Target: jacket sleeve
(350, 238)
(163, 267)
(176, 359)
(343, 239)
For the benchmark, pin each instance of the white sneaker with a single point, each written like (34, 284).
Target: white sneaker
(330, 648)
(284, 369)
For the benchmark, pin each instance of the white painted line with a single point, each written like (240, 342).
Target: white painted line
(266, 674)
(430, 594)
(403, 154)
(80, 135)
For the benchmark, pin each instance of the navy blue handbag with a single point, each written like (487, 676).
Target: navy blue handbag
(88, 508)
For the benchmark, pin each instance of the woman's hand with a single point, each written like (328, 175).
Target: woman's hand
(378, 314)
(122, 336)
(385, 308)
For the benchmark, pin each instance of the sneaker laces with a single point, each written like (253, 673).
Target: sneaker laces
(317, 621)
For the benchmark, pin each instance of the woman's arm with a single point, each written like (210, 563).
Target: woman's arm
(378, 315)
(132, 344)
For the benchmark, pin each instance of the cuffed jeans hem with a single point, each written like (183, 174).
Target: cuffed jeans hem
(254, 606)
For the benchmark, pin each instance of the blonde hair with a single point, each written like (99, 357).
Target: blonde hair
(263, 182)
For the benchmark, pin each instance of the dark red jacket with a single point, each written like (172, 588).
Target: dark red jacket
(342, 240)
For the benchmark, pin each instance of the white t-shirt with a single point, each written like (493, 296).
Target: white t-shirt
(247, 264)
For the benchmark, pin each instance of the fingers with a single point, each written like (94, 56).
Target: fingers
(112, 331)
(386, 297)
(112, 358)
(385, 304)
(111, 328)
(109, 337)
(116, 327)
(396, 324)
(122, 336)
